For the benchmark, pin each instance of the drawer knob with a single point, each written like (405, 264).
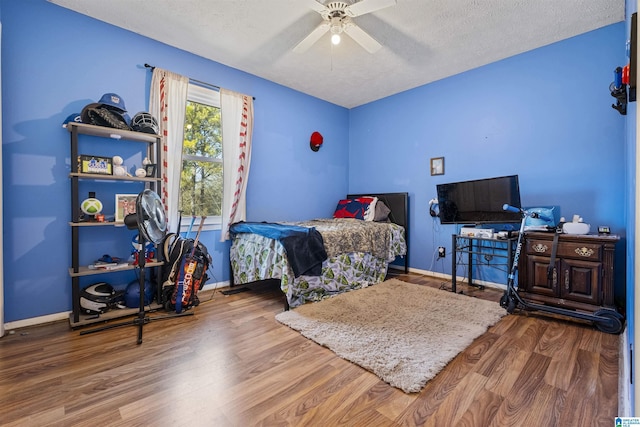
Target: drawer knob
(540, 248)
(583, 251)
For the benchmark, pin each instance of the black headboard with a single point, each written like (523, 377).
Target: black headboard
(399, 205)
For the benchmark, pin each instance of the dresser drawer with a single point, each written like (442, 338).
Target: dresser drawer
(580, 250)
(575, 250)
(539, 247)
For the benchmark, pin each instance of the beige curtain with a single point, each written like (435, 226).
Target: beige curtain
(237, 132)
(167, 102)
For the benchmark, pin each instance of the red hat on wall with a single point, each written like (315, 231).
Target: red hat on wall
(316, 141)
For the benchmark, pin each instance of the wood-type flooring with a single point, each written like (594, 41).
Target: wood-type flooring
(233, 364)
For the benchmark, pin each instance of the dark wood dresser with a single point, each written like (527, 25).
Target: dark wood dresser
(583, 274)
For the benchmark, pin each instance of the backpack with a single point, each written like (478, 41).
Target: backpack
(184, 272)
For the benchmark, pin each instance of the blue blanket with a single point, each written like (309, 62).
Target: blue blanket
(303, 245)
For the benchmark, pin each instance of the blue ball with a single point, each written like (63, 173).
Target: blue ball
(132, 294)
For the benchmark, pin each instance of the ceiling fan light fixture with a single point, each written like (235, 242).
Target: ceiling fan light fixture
(336, 16)
(336, 29)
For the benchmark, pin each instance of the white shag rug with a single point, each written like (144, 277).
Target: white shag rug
(402, 332)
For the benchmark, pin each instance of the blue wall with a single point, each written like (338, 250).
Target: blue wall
(545, 115)
(630, 209)
(54, 62)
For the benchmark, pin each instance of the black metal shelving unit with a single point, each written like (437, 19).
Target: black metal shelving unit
(153, 152)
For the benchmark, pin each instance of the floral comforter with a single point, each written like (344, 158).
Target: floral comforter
(358, 256)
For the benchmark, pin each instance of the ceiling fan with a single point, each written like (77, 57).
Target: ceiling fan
(337, 19)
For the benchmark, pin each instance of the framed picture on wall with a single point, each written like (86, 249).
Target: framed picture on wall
(125, 205)
(437, 166)
(95, 164)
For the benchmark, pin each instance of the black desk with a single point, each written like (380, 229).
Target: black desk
(503, 249)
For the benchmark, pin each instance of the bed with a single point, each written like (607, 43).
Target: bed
(316, 259)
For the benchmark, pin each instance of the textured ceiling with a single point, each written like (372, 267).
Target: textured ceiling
(423, 40)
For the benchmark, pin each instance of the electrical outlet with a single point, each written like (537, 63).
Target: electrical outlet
(441, 252)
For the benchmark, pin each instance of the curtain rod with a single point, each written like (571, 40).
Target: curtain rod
(152, 67)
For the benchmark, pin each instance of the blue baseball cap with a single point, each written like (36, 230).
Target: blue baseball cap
(75, 117)
(114, 101)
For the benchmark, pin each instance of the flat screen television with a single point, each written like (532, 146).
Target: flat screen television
(479, 201)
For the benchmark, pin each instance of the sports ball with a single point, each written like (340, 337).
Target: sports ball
(91, 206)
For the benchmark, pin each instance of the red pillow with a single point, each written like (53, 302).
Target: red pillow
(360, 208)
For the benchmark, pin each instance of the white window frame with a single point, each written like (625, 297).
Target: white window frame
(207, 96)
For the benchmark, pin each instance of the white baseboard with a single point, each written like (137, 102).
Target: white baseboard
(56, 317)
(33, 321)
(624, 381)
(459, 279)
(217, 285)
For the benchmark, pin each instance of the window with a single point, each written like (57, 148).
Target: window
(201, 177)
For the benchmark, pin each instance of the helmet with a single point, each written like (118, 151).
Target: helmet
(144, 122)
(98, 298)
(132, 294)
(113, 101)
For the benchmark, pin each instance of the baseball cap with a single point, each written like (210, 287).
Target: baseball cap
(75, 117)
(114, 101)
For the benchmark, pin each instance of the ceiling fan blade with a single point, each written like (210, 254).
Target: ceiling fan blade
(367, 6)
(313, 37)
(317, 6)
(362, 38)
